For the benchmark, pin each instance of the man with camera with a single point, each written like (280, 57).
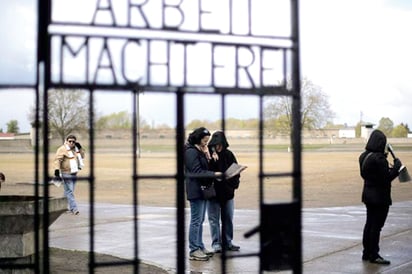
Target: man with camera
(66, 166)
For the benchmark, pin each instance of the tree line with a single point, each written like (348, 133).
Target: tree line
(68, 111)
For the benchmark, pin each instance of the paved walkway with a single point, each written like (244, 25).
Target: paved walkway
(331, 238)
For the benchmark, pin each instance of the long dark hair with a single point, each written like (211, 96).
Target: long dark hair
(197, 135)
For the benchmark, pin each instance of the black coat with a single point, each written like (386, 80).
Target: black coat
(225, 189)
(375, 170)
(196, 163)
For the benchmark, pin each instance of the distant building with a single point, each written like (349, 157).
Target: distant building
(7, 136)
(347, 132)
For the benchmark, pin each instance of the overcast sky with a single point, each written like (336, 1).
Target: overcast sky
(358, 51)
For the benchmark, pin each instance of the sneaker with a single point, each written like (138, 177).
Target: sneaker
(208, 252)
(198, 255)
(217, 249)
(56, 183)
(75, 212)
(233, 247)
(379, 260)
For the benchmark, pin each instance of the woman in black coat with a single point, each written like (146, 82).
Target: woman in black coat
(222, 206)
(197, 175)
(376, 195)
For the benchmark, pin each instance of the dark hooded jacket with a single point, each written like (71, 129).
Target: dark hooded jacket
(225, 189)
(375, 170)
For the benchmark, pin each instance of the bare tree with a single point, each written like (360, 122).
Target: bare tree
(68, 111)
(315, 111)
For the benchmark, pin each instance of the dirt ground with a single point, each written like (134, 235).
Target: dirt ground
(330, 178)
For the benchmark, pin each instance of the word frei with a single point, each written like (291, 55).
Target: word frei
(191, 43)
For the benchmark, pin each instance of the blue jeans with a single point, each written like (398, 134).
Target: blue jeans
(197, 216)
(215, 211)
(69, 183)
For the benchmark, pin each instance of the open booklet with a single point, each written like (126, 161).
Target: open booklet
(233, 170)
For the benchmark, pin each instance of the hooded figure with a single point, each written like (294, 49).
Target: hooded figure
(222, 207)
(2, 178)
(375, 170)
(376, 194)
(225, 189)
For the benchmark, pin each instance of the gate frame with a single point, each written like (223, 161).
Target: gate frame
(44, 84)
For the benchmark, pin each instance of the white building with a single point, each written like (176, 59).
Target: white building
(347, 132)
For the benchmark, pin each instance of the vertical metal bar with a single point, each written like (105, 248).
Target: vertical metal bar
(180, 191)
(261, 171)
(43, 53)
(41, 38)
(45, 184)
(261, 128)
(230, 17)
(223, 110)
(149, 53)
(168, 52)
(61, 65)
(249, 17)
(237, 66)
(212, 56)
(296, 137)
(223, 234)
(91, 181)
(135, 132)
(36, 127)
(43, 11)
(285, 69)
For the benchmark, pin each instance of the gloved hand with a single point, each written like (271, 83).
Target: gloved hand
(78, 145)
(397, 164)
(57, 173)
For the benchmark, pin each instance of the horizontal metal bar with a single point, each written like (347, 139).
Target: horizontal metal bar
(280, 174)
(17, 86)
(171, 35)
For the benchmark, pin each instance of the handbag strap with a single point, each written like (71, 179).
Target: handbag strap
(366, 158)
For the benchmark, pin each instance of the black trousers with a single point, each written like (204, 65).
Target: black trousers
(375, 220)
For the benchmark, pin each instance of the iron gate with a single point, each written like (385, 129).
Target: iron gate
(101, 37)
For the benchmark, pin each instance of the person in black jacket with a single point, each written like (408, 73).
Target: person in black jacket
(2, 178)
(376, 194)
(222, 206)
(197, 175)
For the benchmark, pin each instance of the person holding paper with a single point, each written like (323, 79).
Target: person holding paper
(222, 207)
